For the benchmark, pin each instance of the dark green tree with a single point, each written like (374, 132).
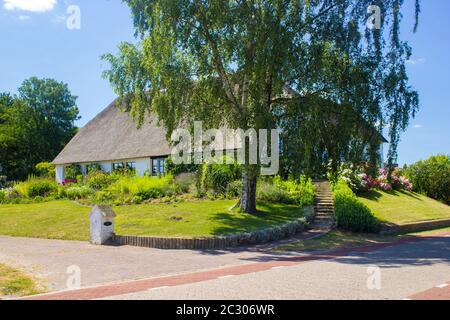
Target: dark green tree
(55, 111)
(236, 63)
(35, 125)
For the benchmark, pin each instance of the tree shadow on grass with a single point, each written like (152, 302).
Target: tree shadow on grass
(375, 195)
(267, 216)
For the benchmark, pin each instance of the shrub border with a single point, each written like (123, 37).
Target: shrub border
(248, 238)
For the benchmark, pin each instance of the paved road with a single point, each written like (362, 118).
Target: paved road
(406, 270)
(49, 260)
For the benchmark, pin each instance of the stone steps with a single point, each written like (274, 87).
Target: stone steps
(323, 206)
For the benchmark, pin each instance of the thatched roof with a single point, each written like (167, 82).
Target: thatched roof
(113, 135)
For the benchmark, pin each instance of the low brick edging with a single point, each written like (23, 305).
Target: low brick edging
(249, 238)
(414, 226)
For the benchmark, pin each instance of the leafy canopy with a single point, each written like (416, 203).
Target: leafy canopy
(260, 63)
(231, 61)
(35, 125)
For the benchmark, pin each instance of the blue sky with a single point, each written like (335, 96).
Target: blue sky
(35, 41)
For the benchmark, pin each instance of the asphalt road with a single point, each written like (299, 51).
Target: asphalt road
(404, 271)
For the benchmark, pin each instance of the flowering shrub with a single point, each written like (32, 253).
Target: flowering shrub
(353, 178)
(360, 182)
(383, 182)
(398, 182)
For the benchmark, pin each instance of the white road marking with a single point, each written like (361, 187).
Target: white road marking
(157, 288)
(442, 286)
(226, 277)
(278, 268)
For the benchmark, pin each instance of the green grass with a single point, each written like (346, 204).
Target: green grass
(69, 221)
(53, 220)
(15, 283)
(400, 207)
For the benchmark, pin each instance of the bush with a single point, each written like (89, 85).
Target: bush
(269, 192)
(2, 195)
(234, 189)
(78, 192)
(300, 192)
(46, 170)
(216, 177)
(72, 172)
(176, 169)
(144, 187)
(431, 177)
(351, 214)
(34, 187)
(103, 197)
(184, 182)
(99, 180)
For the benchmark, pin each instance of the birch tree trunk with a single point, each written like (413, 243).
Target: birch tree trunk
(249, 181)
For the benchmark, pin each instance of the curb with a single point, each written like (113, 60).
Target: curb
(387, 228)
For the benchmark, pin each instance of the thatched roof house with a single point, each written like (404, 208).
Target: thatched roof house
(112, 140)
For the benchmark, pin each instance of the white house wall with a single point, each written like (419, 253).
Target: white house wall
(106, 166)
(59, 174)
(142, 166)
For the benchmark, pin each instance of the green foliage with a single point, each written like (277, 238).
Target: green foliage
(145, 188)
(100, 180)
(176, 169)
(289, 191)
(231, 61)
(352, 214)
(431, 177)
(78, 192)
(36, 187)
(35, 125)
(234, 189)
(216, 177)
(72, 171)
(45, 169)
(184, 182)
(95, 167)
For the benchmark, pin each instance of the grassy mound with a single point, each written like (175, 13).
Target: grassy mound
(403, 207)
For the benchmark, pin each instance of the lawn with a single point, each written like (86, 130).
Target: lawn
(69, 221)
(400, 207)
(14, 282)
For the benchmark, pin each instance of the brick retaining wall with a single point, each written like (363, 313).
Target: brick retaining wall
(415, 226)
(257, 237)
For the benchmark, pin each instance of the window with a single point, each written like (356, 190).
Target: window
(93, 167)
(131, 166)
(158, 167)
(117, 166)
